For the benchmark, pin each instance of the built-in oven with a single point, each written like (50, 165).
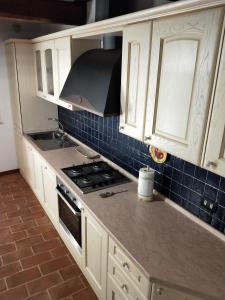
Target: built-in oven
(70, 214)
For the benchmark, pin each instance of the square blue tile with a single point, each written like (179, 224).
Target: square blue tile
(221, 198)
(189, 168)
(213, 179)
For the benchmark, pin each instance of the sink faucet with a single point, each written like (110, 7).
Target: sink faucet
(60, 126)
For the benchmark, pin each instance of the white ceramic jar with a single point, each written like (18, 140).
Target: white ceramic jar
(145, 183)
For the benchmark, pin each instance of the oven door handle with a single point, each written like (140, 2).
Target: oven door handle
(77, 214)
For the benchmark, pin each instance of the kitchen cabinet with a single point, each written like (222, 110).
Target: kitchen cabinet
(19, 55)
(214, 159)
(94, 247)
(44, 69)
(50, 194)
(13, 82)
(28, 157)
(38, 173)
(135, 60)
(181, 72)
(20, 150)
(160, 292)
(114, 291)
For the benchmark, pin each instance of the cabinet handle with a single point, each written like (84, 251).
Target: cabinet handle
(126, 265)
(121, 127)
(125, 288)
(148, 138)
(211, 164)
(159, 290)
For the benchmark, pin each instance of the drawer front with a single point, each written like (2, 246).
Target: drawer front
(129, 268)
(127, 288)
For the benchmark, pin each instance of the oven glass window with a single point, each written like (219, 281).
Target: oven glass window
(72, 222)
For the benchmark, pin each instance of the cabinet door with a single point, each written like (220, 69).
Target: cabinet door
(62, 62)
(164, 293)
(50, 195)
(19, 150)
(94, 247)
(49, 64)
(38, 62)
(29, 164)
(14, 93)
(182, 63)
(215, 148)
(114, 291)
(136, 50)
(38, 166)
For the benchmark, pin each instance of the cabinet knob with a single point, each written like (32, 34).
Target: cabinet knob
(159, 290)
(211, 164)
(121, 127)
(148, 138)
(125, 288)
(126, 265)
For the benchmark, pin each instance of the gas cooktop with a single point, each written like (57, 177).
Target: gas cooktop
(94, 176)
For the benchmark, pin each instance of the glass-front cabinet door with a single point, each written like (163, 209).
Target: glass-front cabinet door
(48, 56)
(39, 71)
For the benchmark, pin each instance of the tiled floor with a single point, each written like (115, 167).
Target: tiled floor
(34, 263)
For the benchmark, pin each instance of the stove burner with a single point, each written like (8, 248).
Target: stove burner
(96, 167)
(107, 175)
(85, 180)
(75, 171)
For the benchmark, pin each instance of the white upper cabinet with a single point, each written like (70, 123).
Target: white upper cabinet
(215, 147)
(63, 62)
(135, 60)
(183, 58)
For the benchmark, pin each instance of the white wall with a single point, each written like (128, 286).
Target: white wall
(8, 30)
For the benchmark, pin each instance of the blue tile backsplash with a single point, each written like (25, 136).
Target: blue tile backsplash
(181, 181)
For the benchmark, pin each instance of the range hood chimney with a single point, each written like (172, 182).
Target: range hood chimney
(93, 83)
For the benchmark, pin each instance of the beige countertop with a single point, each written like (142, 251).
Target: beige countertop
(167, 245)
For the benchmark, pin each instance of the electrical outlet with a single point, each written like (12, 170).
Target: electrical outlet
(210, 205)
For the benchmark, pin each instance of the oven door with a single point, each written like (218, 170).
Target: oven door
(70, 218)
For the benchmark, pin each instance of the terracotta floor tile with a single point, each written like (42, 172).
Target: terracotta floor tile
(55, 264)
(2, 285)
(16, 255)
(22, 226)
(18, 293)
(43, 220)
(30, 241)
(43, 283)
(10, 269)
(60, 251)
(49, 235)
(7, 248)
(86, 294)
(47, 245)
(23, 277)
(34, 260)
(40, 296)
(39, 229)
(70, 272)
(65, 289)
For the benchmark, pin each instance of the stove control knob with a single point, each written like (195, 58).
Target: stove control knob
(67, 192)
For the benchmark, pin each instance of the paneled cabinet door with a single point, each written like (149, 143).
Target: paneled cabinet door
(164, 293)
(29, 164)
(215, 147)
(39, 189)
(94, 247)
(39, 69)
(62, 62)
(182, 63)
(136, 50)
(13, 82)
(50, 195)
(114, 291)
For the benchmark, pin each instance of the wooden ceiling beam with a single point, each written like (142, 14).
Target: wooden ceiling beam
(45, 11)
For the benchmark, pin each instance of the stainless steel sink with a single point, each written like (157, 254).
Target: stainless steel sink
(51, 140)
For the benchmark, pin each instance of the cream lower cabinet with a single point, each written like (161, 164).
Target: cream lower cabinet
(214, 159)
(28, 156)
(94, 248)
(50, 194)
(181, 73)
(135, 60)
(38, 172)
(114, 290)
(160, 292)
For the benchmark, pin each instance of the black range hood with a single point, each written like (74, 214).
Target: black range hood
(93, 83)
